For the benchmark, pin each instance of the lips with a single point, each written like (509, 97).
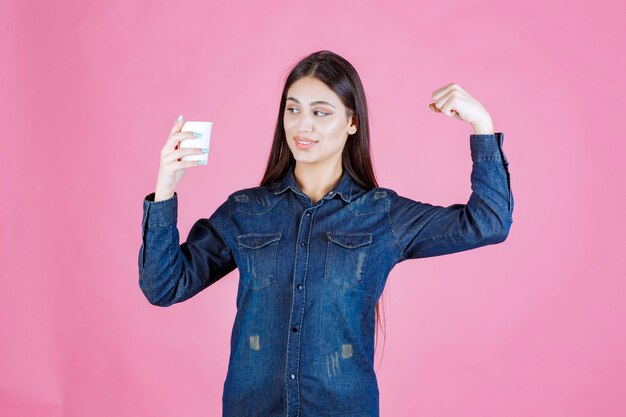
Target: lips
(304, 140)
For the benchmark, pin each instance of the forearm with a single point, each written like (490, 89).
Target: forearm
(162, 273)
(492, 198)
(156, 264)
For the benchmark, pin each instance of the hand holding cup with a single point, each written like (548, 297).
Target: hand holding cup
(176, 156)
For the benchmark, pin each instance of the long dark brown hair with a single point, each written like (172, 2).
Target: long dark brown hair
(341, 77)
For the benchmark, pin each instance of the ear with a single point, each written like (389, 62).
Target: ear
(353, 125)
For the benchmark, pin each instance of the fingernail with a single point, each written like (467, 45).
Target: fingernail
(179, 118)
(197, 135)
(205, 150)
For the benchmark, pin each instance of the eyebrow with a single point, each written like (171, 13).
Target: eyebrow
(312, 103)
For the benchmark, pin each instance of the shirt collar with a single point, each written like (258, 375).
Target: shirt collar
(344, 187)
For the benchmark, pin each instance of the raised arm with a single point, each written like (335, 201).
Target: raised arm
(170, 273)
(422, 230)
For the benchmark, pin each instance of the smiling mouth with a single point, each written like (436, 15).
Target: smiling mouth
(304, 144)
(303, 140)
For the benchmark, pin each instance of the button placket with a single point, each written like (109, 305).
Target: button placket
(297, 311)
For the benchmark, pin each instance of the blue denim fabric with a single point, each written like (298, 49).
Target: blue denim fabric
(302, 342)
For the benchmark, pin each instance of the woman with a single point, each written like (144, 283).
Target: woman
(314, 244)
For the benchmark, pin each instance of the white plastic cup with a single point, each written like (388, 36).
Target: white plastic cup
(204, 128)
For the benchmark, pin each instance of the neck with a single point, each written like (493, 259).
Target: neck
(315, 181)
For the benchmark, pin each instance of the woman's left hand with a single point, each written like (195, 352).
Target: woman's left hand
(454, 101)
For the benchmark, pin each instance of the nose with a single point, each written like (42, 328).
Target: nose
(305, 124)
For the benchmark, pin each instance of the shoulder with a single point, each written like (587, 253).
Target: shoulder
(374, 200)
(254, 200)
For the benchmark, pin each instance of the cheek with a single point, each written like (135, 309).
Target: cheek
(335, 127)
(336, 131)
(288, 122)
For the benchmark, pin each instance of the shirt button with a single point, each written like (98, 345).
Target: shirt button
(294, 329)
(302, 244)
(293, 376)
(299, 286)
(308, 214)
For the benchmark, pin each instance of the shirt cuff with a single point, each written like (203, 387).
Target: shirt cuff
(162, 213)
(487, 147)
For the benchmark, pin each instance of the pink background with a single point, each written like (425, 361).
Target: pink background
(534, 326)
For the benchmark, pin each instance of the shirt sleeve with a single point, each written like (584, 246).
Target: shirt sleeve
(423, 230)
(170, 273)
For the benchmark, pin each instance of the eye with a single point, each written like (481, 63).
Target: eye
(289, 110)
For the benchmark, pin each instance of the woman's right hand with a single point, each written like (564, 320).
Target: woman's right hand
(171, 168)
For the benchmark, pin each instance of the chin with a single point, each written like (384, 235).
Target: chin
(305, 160)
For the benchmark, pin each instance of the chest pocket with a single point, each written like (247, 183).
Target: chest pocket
(258, 259)
(346, 257)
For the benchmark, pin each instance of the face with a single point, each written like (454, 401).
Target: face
(316, 124)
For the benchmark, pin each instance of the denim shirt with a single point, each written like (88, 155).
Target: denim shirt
(310, 275)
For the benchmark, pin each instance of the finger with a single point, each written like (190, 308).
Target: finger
(453, 94)
(187, 164)
(437, 94)
(177, 125)
(179, 153)
(184, 135)
(434, 108)
(173, 141)
(441, 101)
(448, 105)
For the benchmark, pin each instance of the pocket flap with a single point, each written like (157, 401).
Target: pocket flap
(350, 240)
(257, 240)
